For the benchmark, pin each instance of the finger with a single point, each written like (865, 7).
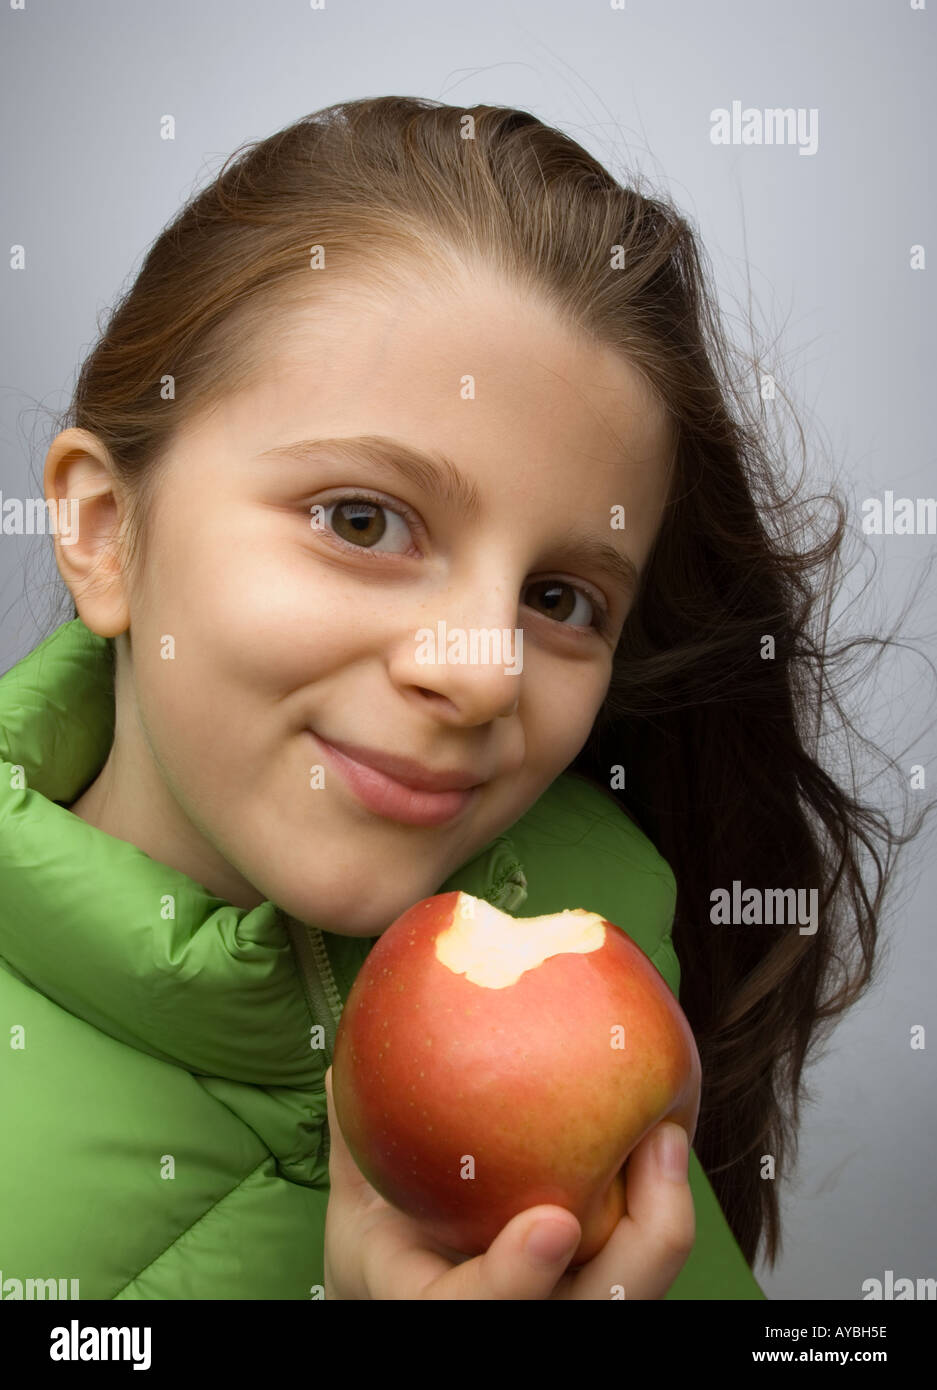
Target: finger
(349, 1185)
(400, 1260)
(402, 1263)
(514, 1267)
(396, 1260)
(651, 1244)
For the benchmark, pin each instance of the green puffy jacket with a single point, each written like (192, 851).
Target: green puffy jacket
(163, 1129)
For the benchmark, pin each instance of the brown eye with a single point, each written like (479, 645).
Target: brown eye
(560, 600)
(355, 521)
(360, 523)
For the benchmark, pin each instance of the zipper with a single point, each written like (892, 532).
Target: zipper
(322, 995)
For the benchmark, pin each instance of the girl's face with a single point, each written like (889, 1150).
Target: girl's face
(278, 626)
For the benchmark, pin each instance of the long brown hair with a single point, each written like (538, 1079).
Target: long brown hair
(718, 732)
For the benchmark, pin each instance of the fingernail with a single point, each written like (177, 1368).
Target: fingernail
(549, 1241)
(673, 1152)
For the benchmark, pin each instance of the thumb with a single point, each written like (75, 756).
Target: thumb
(525, 1261)
(346, 1180)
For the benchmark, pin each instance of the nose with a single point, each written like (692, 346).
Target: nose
(475, 666)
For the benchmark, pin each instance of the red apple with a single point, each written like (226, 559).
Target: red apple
(485, 1064)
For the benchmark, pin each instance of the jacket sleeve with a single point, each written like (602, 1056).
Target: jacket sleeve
(87, 1207)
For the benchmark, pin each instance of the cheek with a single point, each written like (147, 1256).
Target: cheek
(579, 698)
(242, 600)
(561, 709)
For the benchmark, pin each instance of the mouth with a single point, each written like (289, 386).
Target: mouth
(392, 799)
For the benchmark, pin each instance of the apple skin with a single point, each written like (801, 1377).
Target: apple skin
(464, 1104)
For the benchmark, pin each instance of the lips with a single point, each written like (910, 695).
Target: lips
(385, 796)
(407, 772)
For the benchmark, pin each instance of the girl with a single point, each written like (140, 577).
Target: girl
(402, 370)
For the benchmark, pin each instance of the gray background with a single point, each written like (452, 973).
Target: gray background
(820, 242)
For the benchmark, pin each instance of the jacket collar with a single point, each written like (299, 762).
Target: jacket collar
(133, 946)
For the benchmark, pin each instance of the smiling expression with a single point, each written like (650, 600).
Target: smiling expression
(281, 626)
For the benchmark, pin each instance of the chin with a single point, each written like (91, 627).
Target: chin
(340, 921)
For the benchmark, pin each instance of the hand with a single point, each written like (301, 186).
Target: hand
(374, 1251)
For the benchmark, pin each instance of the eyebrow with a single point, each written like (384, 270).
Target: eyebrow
(437, 475)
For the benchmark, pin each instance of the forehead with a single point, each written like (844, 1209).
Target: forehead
(465, 350)
(552, 429)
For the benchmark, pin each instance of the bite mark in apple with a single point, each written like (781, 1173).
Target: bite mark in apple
(493, 949)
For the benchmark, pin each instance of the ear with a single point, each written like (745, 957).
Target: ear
(83, 490)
